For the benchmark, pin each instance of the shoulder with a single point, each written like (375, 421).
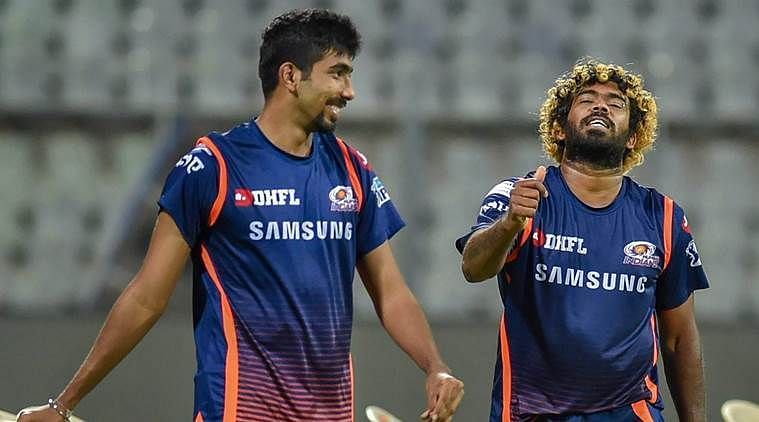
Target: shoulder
(650, 193)
(198, 159)
(503, 187)
(346, 150)
(655, 201)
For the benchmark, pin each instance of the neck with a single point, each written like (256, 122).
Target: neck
(595, 188)
(283, 131)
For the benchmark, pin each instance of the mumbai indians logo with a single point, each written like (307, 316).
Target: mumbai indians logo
(380, 191)
(342, 199)
(641, 253)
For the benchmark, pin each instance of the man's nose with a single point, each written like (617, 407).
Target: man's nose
(348, 92)
(600, 107)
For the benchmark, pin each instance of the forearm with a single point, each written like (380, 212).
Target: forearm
(485, 252)
(129, 320)
(405, 322)
(683, 363)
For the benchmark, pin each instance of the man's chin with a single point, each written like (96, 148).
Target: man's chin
(322, 124)
(599, 135)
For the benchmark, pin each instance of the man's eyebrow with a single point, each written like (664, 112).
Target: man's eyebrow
(596, 93)
(615, 95)
(342, 67)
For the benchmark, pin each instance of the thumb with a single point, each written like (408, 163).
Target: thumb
(540, 173)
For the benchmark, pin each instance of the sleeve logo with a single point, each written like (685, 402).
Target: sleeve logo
(191, 163)
(692, 252)
(504, 188)
(380, 191)
(499, 206)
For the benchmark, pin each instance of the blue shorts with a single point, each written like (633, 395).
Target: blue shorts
(642, 411)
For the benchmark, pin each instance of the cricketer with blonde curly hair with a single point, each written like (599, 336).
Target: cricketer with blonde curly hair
(643, 110)
(591, 266)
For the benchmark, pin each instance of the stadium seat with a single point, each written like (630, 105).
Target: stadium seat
(24, 64)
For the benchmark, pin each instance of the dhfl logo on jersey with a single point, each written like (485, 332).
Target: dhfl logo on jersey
(243, 198)
(342, 200)
(559, 242)
(265, 197)
(641, 253)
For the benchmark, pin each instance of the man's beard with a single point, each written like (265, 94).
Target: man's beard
(321, 124)
(597, 151)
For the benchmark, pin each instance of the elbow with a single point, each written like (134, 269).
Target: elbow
(473, 273)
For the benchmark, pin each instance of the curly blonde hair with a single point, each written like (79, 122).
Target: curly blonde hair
(555, 109)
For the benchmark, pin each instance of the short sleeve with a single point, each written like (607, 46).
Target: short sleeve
(494, 205)
(189, 192)
(379, 220)
(685, 272)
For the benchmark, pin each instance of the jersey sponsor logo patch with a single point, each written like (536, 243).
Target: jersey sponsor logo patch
(342, 199)
(265, 197)
(300, 230)
(693, 255)
(559, 242)
(243, 198)
(641, 253)
(592, 280)
(380, 191)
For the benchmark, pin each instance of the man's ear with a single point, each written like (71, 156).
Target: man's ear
(559, 133)
(631, 142)
(289, 76)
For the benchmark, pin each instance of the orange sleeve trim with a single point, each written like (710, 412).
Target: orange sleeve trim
(352, 174)
(506, 372)
(656, 339)
(650, 384)
(218, 204)
(199, 417)
(653, 388)
(640, 408)
(353, 388)
(669, 208)
(231, 380)
(526, 233)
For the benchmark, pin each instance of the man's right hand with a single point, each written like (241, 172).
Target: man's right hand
(39, 414)
(525, 198)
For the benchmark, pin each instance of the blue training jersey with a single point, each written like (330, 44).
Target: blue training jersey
(275, 239)
(580, 288)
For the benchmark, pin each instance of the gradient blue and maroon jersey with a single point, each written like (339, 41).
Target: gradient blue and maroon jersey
(581, 287)
(275, 239)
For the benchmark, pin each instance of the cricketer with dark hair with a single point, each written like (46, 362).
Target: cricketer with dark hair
(276, 215)
(591, 266)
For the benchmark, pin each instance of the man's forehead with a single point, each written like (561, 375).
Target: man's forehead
(334, 57)
(602, 88)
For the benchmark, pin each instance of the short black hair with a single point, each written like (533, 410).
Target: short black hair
(303, 37)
